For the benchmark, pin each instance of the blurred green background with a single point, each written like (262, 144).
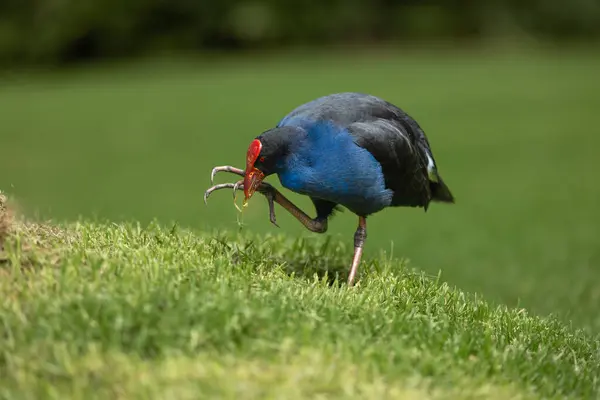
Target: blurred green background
(119, 110)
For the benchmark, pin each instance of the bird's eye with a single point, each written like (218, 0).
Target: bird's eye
(262, 159)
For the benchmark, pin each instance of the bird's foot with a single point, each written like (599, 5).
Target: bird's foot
(273, 196)
(225, 168)
(266, 189)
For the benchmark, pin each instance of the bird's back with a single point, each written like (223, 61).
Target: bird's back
(344, 109)
(349, 109)
(394, 139)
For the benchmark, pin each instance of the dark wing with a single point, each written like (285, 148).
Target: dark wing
(403, 160)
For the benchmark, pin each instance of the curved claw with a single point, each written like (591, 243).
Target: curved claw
(239, 185)
(225, 168)
(216, 187)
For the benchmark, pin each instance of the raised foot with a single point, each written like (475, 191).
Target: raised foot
(266, 189)
(273, 196)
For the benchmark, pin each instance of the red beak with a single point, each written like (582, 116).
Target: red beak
(252, 181)
(254, 176)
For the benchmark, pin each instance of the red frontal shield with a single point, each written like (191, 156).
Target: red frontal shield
(253, 177)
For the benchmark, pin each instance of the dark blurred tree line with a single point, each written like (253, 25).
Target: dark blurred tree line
(62, 31)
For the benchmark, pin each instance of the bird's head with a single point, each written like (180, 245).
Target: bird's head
(265, 154)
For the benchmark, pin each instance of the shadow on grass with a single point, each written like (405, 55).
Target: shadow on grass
(306, 259)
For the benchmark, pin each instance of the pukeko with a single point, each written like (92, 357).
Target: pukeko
(348, 149)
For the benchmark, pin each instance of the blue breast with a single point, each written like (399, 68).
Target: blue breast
(327, 164)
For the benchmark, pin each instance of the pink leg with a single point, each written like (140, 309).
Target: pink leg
(359, 240)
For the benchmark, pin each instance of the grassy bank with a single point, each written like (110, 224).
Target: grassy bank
(105, 310)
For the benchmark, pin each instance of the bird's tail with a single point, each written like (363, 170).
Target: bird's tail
(440, 192)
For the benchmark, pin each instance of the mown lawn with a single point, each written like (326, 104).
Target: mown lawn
(105, 310)
(514, 133)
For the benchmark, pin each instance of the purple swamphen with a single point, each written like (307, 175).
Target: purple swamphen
(347, 149)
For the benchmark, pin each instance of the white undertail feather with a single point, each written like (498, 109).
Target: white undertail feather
(431, 170)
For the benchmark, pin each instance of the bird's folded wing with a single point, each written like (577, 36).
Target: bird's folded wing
(403, 156)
